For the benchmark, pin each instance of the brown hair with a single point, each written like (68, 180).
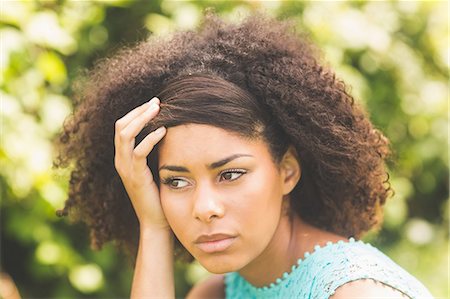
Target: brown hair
(256, 78)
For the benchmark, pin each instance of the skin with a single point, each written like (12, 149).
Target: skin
(153, 273)
(247, 197)
(197, 199)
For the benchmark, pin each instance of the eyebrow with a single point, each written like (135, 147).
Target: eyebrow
(210, 166)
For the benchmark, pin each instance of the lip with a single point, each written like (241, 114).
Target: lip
(214, 243)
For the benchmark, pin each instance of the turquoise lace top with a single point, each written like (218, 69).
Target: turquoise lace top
(320, 273)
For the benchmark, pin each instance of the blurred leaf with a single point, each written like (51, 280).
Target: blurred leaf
(52, 67)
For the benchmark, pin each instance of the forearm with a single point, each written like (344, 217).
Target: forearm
(153, 274)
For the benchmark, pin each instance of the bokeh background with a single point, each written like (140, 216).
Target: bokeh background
(394, 55)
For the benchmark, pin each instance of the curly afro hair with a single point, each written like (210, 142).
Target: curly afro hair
(344, 182)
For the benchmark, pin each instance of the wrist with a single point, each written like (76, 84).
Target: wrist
(154, 229)
(153, 235)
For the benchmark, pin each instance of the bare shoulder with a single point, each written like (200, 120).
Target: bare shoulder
(211, 288)
(367, 289)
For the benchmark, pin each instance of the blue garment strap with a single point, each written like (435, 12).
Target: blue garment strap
(320, 273)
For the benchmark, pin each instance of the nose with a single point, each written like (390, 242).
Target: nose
(207, 204)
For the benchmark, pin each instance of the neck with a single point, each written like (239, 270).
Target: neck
(291, 240)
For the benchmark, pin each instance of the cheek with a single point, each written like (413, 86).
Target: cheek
(173, 208)
(261, 198)
(266, 186)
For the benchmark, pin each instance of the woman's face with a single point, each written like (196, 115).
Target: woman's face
(222, 194)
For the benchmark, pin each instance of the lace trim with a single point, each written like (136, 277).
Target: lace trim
(296, 266)
(285, 276)
(321, 274)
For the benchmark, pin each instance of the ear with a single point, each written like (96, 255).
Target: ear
(290, 170)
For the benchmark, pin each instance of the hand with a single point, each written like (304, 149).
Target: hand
(131, 163)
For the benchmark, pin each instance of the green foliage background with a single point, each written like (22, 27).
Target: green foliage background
(394, 55)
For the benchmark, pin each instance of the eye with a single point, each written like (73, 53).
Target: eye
(231, 174)
(175, 183)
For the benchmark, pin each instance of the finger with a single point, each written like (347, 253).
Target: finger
(127, 136)
(144, 148)
(137, 124)
(124, 146)
(124, 121)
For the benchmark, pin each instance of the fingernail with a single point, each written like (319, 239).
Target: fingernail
(154, 100)
(160, 130)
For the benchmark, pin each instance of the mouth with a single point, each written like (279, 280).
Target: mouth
(214, 243)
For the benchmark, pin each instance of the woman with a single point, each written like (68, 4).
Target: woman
(252, 157)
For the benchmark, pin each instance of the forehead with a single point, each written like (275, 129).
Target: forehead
(191, 143)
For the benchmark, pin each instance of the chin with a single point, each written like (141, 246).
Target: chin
(219, 264)
(218, 268)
